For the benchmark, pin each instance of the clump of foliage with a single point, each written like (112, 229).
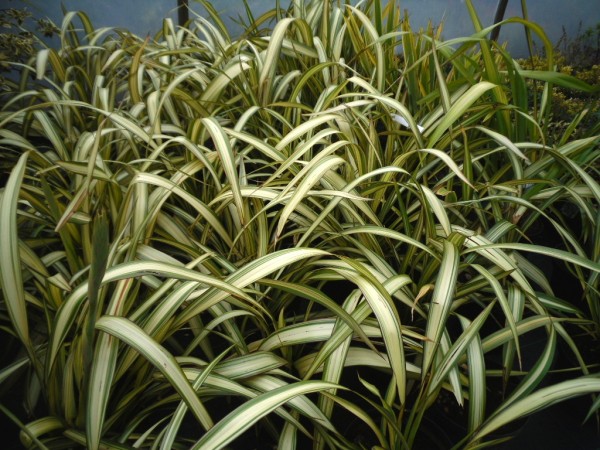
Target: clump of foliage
(582, 50)
(574, 113)
(291, 239)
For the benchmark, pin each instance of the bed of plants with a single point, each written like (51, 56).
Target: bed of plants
(332, 231)
(578, 56)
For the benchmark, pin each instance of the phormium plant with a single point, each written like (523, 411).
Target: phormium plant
(334, 233)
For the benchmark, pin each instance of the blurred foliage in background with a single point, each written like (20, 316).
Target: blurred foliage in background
(579, 56)
(17, 43)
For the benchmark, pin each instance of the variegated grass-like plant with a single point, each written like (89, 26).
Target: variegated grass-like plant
(207, 241)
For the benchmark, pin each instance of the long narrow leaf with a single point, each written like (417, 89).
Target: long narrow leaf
(134, 336)
(440, 302)
(10, 263)
(540, 399)
(243, 417)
